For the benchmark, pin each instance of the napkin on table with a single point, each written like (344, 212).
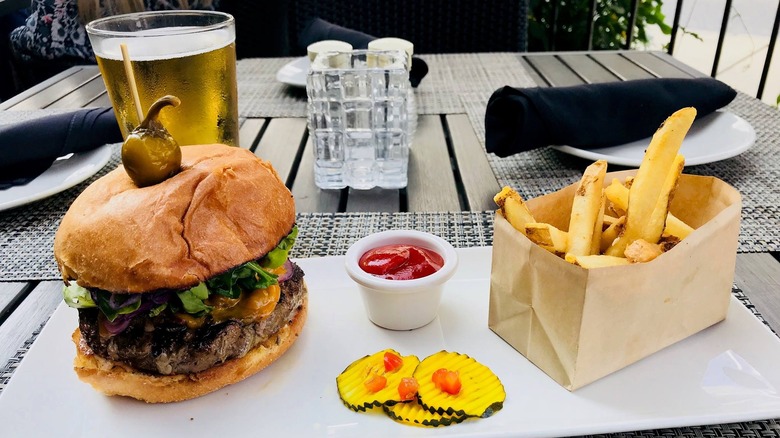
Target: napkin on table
(593, 115)
(27, 149)
(318, 29)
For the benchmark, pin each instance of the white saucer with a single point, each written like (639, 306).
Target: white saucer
(63, 174)
(294, 73)
(715, 137)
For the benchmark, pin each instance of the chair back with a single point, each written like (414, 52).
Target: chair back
(434, 26)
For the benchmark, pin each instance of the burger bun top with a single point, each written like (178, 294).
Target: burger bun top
(225, 207)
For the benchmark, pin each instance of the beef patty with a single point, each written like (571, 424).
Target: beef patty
(166, 346)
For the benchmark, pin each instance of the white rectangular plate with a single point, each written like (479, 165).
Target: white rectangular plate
(723, 374)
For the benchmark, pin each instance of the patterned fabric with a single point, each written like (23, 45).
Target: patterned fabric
(53, 30)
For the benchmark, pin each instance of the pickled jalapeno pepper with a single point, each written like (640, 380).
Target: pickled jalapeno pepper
(150, 154)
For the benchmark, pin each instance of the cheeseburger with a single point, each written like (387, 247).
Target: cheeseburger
(184, 286)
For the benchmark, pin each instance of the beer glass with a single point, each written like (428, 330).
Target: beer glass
(189, 54)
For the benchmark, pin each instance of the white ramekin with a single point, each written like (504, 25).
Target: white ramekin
(401, 304)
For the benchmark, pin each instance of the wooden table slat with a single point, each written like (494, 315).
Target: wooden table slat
(32, 91)
(102, 100)
(758, 275)
(82, 96)
(308, 197)
(590, 70)
(556, 73)
(675, 62)
(248, 133)
(478, 179)
(30, 314)
(531, 70)
(58, 90)
(657, 66)
(431, 184)
(280, 144)
(620, 66)
(9, 294)
(377, 199)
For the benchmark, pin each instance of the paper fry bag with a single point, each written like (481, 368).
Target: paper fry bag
(579, 325)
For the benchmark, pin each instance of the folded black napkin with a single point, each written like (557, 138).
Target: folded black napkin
(593, 115)
(318, 29)
(27, 149)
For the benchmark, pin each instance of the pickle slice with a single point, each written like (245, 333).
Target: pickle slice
(414, 414)
(481, 393)
(352, 387)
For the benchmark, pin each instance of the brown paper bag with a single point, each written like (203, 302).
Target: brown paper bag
(579, 325)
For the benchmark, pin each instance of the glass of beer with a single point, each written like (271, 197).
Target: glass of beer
(189, 54)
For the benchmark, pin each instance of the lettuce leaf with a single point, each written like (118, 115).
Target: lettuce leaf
(77, 297)
(278, 255)
(249, 276)
(192, 300)
(103, 299)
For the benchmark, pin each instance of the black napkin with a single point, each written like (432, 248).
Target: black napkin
(27, 149)
(593, 115)
(318, 29)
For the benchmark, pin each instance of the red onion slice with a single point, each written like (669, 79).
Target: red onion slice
(288, 271)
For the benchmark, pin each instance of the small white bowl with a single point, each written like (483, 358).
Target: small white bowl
(401, 304)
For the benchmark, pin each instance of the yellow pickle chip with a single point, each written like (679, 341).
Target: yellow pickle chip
(367, 382)
(414, 414)
(476, 393)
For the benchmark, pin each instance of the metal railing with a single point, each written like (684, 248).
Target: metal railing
(632, 14)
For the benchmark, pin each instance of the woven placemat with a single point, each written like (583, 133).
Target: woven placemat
(440, 92)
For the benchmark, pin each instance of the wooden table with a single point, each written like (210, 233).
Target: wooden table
(448, 170)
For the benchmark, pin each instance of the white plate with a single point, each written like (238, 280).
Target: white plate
(294, 73)
(63, 174)
(715, 137)
(724, 374)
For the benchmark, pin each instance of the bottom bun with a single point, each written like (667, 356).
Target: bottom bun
(113, 378)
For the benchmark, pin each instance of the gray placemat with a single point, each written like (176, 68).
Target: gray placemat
(449, 77)
(27, 232)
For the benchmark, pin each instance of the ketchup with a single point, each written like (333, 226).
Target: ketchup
(400, 262)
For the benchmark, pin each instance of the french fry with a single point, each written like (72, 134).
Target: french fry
(647, 186)
(586, 208)
(642, 251)
(513, 208)
(595, 243)
(675, 227)
(609, 220)
(596, 261)
(548, 237)
(657, 220)
(617, 195)
(611, 233)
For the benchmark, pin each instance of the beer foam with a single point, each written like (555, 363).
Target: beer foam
(157, 45)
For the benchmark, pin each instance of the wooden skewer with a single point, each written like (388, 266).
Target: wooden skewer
(131, 81)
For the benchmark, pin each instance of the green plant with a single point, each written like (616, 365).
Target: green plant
(570, 28)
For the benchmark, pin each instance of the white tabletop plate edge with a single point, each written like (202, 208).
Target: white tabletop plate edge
(717, 136)
(294, 72)
(63, 174)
